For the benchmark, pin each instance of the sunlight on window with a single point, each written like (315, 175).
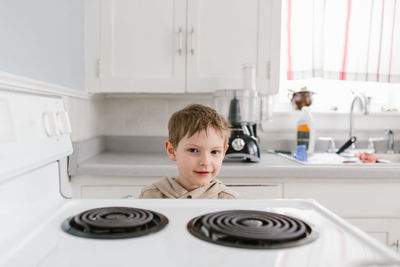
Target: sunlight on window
(331, 95)
(336, 95)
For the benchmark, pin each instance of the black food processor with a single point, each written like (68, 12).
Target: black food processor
(242, 108)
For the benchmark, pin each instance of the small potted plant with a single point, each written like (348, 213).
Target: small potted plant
(300, 98)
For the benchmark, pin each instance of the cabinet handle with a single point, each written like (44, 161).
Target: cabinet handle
(395, 245)
(99, 65)
(192, 41)
(268, 74)
(180, 41)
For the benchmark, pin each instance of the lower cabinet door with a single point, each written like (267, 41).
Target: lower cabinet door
(258, 191)
(385, 230)
(351, 199)
(111, 191)
(131, 191)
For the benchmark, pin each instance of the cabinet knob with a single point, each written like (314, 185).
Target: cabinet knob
(64, 124)
(50, 124)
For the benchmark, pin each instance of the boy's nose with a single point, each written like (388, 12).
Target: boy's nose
(205, 159)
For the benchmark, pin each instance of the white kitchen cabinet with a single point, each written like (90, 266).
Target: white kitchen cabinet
(88, 186)
(385, 230)
(110, 191)
(138, 45)
(262, 191)
(222, 35)
(350, 198)
(172, 46)
(133, 191)
(370, 205)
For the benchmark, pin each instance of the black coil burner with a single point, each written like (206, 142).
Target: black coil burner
(114, 223)
(251, 229)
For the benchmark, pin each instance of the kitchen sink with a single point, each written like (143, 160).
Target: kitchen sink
(345, 158)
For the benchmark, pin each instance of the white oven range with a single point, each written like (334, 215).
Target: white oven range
(39, 227)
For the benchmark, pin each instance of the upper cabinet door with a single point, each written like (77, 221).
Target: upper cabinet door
(171, 46)
(222, 36)
(142, 46)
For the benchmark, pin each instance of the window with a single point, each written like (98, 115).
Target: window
(339, 47)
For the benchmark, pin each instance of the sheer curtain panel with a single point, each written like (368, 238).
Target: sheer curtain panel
(355, 40)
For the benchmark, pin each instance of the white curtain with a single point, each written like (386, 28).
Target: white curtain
(343, 39)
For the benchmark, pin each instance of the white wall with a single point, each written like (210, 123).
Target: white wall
(86, 116)
(43, 40)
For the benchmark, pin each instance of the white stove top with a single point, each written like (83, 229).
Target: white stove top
(32, 211)
(338, 243)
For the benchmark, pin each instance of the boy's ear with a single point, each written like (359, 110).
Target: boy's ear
(170, 150)
(226, 148)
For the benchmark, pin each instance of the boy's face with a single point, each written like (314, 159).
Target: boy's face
(199, 158)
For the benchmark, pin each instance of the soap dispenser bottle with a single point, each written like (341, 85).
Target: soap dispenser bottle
(306, 130)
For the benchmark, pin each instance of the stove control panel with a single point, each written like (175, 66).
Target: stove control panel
(34, 131)
(56, 123)
(64, 124)
(50, 123)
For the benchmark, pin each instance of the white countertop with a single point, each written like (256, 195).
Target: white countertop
(151, 164)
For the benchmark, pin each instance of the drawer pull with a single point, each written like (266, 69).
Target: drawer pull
(192, 41)
(180, 42)
(395, 245)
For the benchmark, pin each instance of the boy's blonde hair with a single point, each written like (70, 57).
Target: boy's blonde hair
(194, 119)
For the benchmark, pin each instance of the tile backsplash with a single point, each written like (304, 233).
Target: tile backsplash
(144, 115)
(141, 115)
(126, 114)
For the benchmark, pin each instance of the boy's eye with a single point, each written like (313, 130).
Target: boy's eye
(193, 150)
(216, 152)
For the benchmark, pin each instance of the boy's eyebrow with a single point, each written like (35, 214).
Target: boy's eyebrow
(218, 147)
(189, 145)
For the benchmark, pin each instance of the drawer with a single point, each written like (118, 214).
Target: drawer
(245, 191)
(110, 191)
(351, 199)
(258, 191)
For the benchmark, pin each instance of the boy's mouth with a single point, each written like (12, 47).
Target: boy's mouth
(202, 172)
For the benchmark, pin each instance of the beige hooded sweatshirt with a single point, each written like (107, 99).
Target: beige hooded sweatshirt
(169, 188)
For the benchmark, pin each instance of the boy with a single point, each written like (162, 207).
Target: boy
(197, 140)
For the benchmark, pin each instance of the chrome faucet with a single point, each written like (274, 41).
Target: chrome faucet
(364, 105)
(389, 141)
